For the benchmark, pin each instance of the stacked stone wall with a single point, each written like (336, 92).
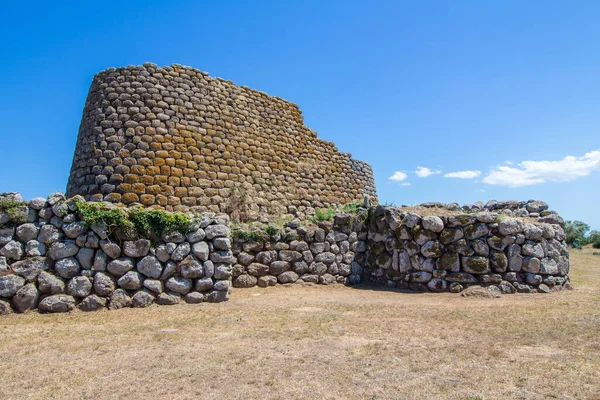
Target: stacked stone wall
(176, 138)
(325, 254)
(52, 262)
(440, 253)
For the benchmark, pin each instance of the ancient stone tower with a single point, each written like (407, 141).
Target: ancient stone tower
(177, 138)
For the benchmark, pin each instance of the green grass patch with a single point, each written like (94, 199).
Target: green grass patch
(16, 210)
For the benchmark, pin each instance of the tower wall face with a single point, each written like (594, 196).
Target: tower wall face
(176, 138)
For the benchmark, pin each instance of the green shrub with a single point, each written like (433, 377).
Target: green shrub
(248, 236)
(16, 210)
(323, 214)
(146, 223)
(273, 232)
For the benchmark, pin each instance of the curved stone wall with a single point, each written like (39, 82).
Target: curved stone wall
(176, 138)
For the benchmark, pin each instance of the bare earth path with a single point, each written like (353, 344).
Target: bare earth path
(317, 342)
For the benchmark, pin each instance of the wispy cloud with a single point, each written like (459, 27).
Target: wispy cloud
(405, 184)
(398, 176)
(535, 172)
(424, 172)
(463, 174)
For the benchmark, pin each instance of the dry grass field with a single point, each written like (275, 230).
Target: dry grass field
(317, 343)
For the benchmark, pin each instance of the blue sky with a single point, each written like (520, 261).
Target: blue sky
(506, 88)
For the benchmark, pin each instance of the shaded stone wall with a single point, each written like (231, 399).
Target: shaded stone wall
(177, 138)
(452, 252)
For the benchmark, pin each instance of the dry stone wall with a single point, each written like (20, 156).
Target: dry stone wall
(440, 253)
(176, 138)
(52, 262)
(325, 254)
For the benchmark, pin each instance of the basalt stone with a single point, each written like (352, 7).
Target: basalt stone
(490, 278)
(142, 299)
(196, 236)
(119, 299)
(34, 248)
(480, 247)
(448, 261)
(136, 248)
(209, 269)
(432, 223)
(532, 249)
(104, 285)
(548, 266)
(278, 267)
(92, 303)
(456, 287)
(500, 243)
(222, 285)
(12, 250)
(217, 296)
(27, 232)
(422, 236)
(79, 286)
(486, 217)
(201, 250)
(476, 231)
(67, 267)
(421, 276)
(411, 220)
(57, 303)
(150, 266)
(531, 264)
(74, 229)
(499, 262)
(182, 250)
(49, 283)
(223, 271)
(100, 261)
(432, 249)
(257, 269)
(26, 298)
(190, 267)
(451, 235)
(476, 265)
(167, 299)
(506, 288)
(179, 285)
(131, 280)
(110, 249)
(326, 279)
(245, 281)
(437, 285)
(222, 243)
(515, 260)
(266, 257)
(194, 298)
(510, 226)
(270, 280)
(120, 266)
(30, 268)
(455, 221)
(214, 231)
(461, 277)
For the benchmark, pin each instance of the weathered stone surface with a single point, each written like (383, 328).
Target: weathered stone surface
(104, 285)
(120, 266)
(74, 229)
(432, 249)
(154, 285)
(182, 250)
(67, 267)
(92, 303)
(142, 299)
(136, 248)
(287, 277)
(26, 298)
(437, 285)
(27, 232)
(499, 262)
(270, 280)
(5, 307)
(110, 249)
(278, 267)
(432, 223)
(79, 286)
(506, 287)
(461, 277)
(30, 268)
(57, 303)
(451, 235)
(488, 292)
(203, 284)
(150, 267)
(510, 226)
(167, 299)
(179, 285)
(194, 298)
(476, 231)
(476, 265)
(245, 281)
(119, 299)
(12, 250)
(421, 276)
(131, 280)
(190, 267)
(214, 231)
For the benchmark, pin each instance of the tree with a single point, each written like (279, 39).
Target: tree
(575, 232)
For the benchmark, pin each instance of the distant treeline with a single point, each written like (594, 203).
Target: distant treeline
(579, 234)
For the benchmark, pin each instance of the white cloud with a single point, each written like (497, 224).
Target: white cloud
(463, 174)
(405, 184)
(398, 176)
(535, 172)
(424, 172)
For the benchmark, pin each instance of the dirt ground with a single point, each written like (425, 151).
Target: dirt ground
(302, 342)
